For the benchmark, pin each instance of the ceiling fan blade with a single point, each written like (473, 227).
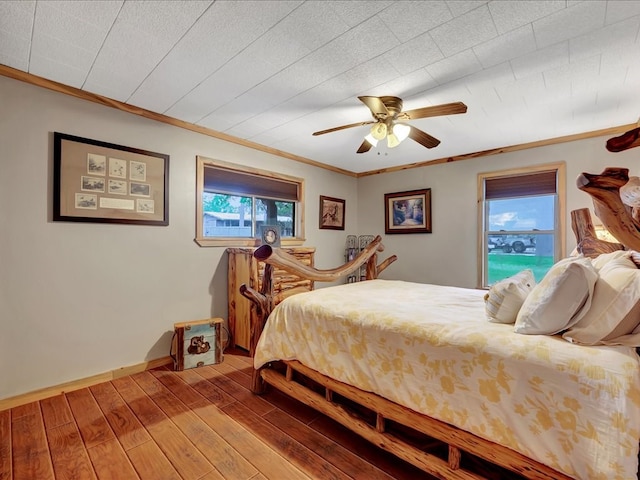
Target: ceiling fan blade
(435, 111)
(423, 138)
(375, 105)
(335, 129)
(365, 147)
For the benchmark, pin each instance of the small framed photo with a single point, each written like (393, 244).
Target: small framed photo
(270, 235)
(332, 213)
(408, 212)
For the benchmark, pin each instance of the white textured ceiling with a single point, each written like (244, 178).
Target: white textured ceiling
(273, 72)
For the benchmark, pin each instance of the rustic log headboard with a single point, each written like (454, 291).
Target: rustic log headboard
(263, 300)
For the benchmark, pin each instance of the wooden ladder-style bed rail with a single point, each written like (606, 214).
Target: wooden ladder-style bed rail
(425, 461)
(456, 440)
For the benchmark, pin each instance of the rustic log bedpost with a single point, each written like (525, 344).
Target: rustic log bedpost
(616, 215)
(625, 141)
(263, 303)
(264, 300)
(587, 242)
(582, 225)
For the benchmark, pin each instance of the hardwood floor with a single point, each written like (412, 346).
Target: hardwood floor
(201, 424)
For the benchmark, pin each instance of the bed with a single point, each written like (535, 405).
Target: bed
(418, 370)
(570, 407)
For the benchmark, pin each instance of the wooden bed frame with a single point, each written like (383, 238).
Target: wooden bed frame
(435, 447)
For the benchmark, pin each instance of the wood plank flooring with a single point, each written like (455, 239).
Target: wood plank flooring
(199, 424)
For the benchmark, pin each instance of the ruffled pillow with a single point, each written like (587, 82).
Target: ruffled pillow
(504, 299)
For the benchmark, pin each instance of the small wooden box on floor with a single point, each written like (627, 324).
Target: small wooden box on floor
(244, 268)
(196, 343)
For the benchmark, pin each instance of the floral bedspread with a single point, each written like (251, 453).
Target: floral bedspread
(430, 348)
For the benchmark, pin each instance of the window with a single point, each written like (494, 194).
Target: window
(233, 202)
(522, 217)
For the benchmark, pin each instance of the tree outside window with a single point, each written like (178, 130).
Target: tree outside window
(234, 202)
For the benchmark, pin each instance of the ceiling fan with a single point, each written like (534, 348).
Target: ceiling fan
(387, 113)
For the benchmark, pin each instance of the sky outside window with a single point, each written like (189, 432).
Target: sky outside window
(522, 213)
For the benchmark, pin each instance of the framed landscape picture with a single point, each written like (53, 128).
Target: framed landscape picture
(408, 212)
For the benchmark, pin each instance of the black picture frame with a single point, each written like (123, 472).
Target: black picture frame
(96, 181)
(332, 213)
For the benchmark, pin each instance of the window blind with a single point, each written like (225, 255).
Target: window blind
(539, 183)
(222, 180)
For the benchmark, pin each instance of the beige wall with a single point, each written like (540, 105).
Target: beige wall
(448, 255)
(78, 299)
(81, 299)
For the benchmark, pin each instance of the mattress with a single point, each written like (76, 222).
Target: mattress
(431, 349)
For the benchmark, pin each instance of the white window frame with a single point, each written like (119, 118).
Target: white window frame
(560, 220)
(201, 164)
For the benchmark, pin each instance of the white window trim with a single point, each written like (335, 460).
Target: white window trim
(560, 241)
(201, 163)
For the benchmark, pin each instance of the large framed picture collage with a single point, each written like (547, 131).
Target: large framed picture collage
(95, 181)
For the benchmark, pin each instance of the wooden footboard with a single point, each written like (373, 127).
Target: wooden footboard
(433, 446)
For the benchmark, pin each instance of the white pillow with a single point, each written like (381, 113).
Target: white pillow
(561, 298)
(615, 308)
(602, 259)
(504, 299)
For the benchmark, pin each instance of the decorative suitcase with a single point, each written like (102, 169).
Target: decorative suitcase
(196, 343)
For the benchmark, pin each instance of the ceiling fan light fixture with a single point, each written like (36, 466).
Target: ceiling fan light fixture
(401, 131)
(385, 111)
(392, 140)
(372, 140)
(379, 130)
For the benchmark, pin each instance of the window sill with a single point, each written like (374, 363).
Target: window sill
(244, 242)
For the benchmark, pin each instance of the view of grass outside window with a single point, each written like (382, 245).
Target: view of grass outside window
(520, 224)
(520, 235)
(234, 202)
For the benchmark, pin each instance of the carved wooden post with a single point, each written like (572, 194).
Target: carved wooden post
(582, 225)
(372, 268)
(587, 242)
(625, 141)
(385, 263)
(262, 303)
(265, 308)
(608, 206)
